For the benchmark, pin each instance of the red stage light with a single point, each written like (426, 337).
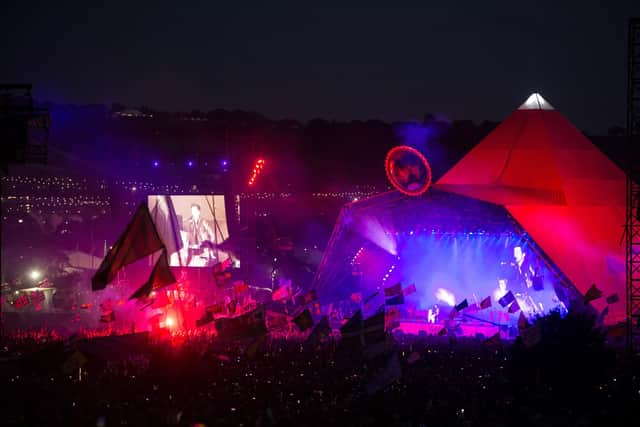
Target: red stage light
(257, 169)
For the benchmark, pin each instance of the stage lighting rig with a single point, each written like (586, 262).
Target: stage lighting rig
(257, 170)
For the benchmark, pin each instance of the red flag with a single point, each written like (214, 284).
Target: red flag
(393, 290)
(409, 289)
(485, 303)
(160, 277)
(139, 239)
(592, 294)
(514, 307)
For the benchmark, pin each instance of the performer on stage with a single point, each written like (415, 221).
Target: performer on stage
(523, 271)
(200, 239)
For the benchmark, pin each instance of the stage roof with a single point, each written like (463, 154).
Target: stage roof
(562, 190)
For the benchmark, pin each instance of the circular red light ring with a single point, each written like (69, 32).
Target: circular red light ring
(423, 159)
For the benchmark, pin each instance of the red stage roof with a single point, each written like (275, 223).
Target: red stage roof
(565, 192)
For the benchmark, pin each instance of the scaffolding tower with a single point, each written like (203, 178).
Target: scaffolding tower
(632, 230)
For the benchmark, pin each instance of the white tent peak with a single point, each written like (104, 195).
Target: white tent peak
(536, 102)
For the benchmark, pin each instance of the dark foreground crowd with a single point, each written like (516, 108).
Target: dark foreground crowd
(570, 378)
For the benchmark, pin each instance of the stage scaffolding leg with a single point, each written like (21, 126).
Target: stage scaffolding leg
(632, 225)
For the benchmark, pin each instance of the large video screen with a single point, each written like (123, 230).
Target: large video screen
(192, 228)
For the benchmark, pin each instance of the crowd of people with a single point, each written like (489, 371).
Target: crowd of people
(570, 378)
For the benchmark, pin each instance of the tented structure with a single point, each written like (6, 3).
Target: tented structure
(565, 192)
(371, 234)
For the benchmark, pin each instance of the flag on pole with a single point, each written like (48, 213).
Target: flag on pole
(612, 299)
(303, 320)
(372, 296)
(251, 324)
(166, 222)
(514, 307)
(321, 330)
(393, 290)
(485, 303)
(160, 277)
(207, 317)
(391, 372)
(409, 289)
(139, 239)
(507, 299)
(592, 294)
(464, 304)
(493, 341)
(360, 333)
(395, 300)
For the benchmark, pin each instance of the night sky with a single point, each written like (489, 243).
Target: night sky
(467, 60)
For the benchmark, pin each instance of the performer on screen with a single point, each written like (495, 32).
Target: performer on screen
(523, 269)
(200, 239)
